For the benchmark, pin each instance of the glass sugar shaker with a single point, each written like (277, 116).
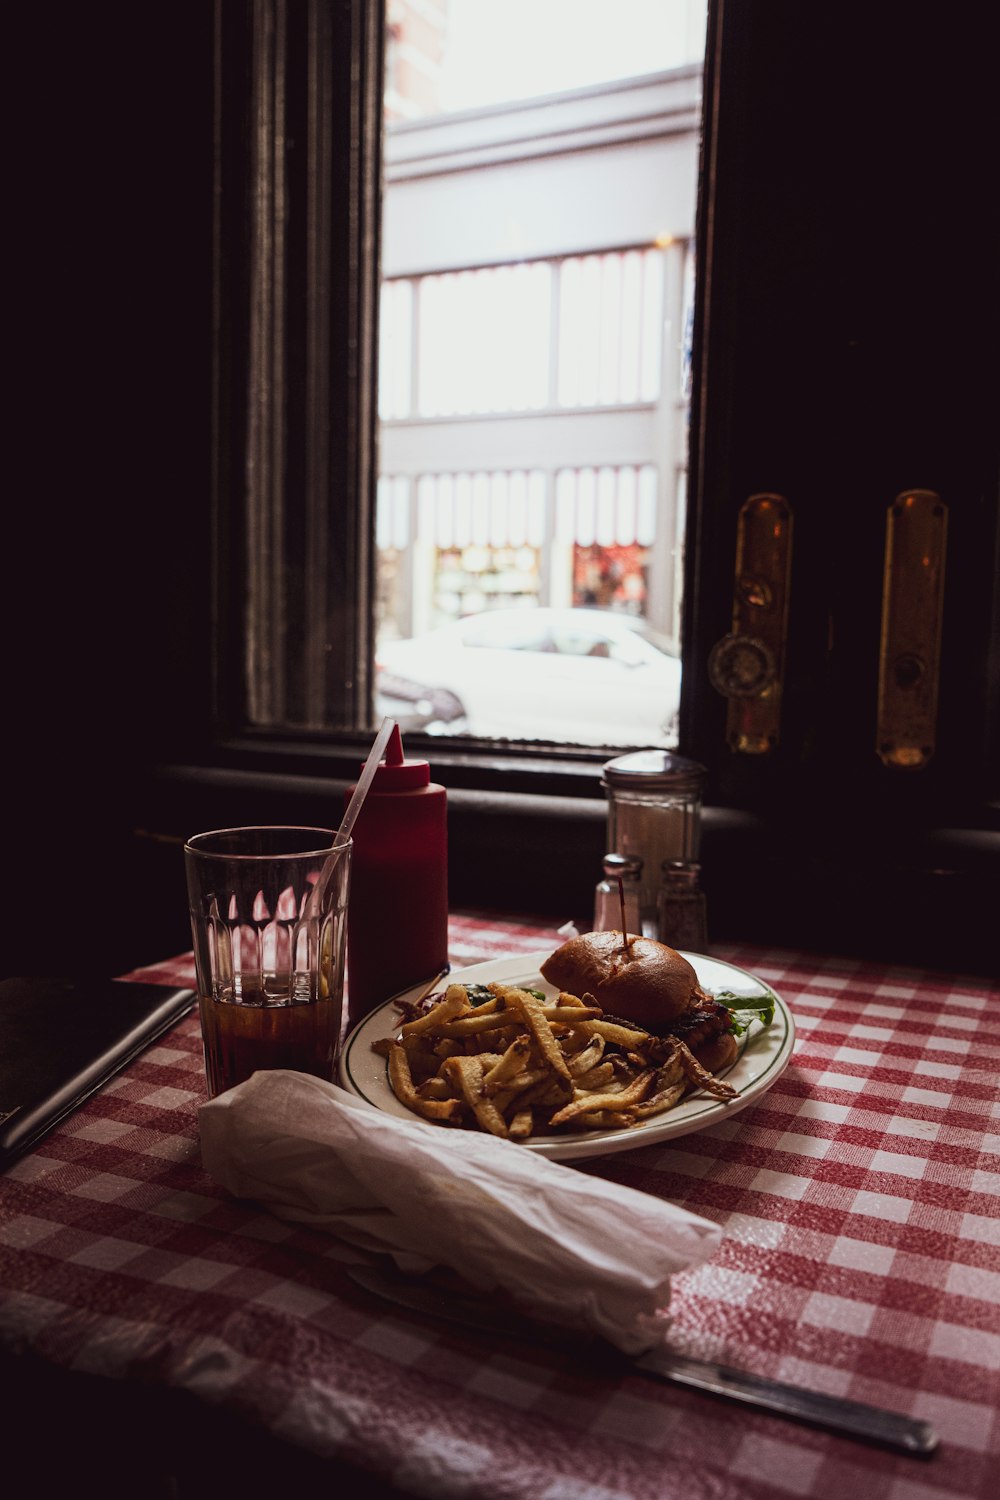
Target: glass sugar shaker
(654, 814)
(608, 898)
(683, 919)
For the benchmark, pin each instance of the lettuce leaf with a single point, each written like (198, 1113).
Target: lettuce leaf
(479, 993)
(745, 1009)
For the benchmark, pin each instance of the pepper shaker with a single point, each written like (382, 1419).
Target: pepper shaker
(681, 907)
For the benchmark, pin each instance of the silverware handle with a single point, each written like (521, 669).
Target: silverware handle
(848, 1418)
(851, 1419)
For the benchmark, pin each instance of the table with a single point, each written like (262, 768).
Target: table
(859, 1199)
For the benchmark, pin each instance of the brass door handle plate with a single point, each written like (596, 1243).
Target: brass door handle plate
(747, 665)
(912, 608)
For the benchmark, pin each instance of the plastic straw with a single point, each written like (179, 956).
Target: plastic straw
(375, 754)
(349, 819)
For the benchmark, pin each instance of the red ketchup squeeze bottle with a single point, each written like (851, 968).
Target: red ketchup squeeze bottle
(397, 920)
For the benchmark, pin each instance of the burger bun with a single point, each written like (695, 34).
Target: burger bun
(640, 980)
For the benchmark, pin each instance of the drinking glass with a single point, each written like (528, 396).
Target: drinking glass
(269, 921)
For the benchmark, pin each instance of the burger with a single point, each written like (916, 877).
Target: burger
(646, 983)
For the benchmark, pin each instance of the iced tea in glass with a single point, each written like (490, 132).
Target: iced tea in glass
(269, 919)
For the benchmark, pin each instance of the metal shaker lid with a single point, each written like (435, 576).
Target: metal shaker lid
(654, 771)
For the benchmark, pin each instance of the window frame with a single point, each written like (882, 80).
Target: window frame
(296, 267)
(328, 60)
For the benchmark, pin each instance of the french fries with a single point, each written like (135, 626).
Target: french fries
(519, 1066)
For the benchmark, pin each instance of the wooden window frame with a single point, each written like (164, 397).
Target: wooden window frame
(914, 862)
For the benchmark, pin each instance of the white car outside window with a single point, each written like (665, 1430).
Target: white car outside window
(588, 677)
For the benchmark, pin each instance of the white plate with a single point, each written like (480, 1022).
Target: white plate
(760, 1064)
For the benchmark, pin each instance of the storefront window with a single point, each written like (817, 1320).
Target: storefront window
(611, 577)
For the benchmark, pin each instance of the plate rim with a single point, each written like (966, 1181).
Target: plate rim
(589, 1144)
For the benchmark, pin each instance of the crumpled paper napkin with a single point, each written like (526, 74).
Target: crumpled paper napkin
(568, 1247)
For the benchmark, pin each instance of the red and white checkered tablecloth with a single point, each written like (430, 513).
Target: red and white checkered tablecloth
(859, 1199)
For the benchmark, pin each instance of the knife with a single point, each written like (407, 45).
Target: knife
(852, 1419)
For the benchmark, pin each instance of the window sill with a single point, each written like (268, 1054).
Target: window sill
(927, 899)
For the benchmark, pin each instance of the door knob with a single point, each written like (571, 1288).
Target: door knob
(741, 666)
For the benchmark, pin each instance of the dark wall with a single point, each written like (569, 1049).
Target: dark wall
(105, 531)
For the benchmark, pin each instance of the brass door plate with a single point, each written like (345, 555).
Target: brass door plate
(912, 607)
(747, 665)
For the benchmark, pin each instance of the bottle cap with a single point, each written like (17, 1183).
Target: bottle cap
(626, 865)
(654, 770)
(681, 872)
(395, 774)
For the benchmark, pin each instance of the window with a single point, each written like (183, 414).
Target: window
(537, 277)
(548, 474)
(842, 338)
(579, 331)
(838, 358)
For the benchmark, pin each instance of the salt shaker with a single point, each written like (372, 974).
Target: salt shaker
(608, 897)
(681, 907)
(654, 814)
